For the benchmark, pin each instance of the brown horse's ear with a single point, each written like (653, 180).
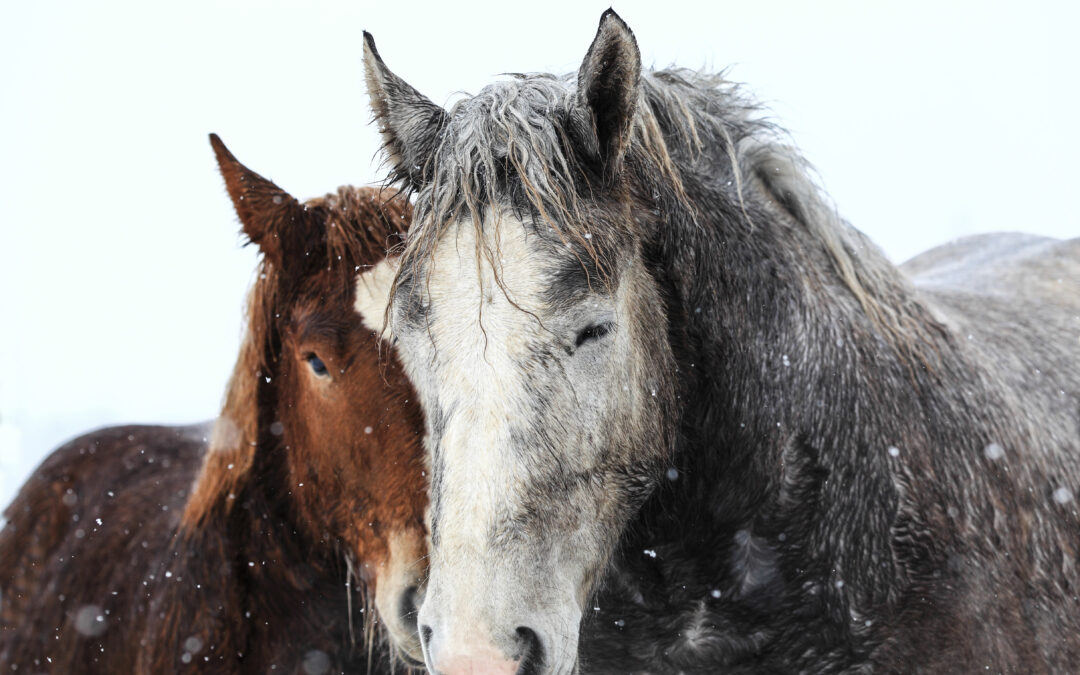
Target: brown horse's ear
(410, 124)
(267, 213)
(608, 89)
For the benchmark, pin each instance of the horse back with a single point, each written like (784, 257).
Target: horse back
(80, 538)
(1011, 304)
(1004, 265)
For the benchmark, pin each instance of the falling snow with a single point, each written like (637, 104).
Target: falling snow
(90, 621)
(193, 644)
(316, 662)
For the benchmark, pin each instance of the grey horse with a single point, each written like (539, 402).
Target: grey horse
(683, 418)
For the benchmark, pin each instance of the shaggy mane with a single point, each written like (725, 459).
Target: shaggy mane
(508, 146)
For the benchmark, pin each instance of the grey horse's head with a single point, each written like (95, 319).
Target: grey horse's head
(527, 317)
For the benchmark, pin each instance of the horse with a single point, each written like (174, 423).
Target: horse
(681, 417)
(261, 542)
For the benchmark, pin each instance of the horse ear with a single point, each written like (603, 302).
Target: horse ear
(608, 87)
(409, 122)
(267, 213)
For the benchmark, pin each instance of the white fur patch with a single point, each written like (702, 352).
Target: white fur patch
(497, 362)
(373, 292)
(477, 323)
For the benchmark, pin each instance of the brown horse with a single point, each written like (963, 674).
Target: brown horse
(252, 544)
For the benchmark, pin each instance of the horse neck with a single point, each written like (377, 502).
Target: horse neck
(788, 382)
(231, 575)
(760, 308)
(253, 543)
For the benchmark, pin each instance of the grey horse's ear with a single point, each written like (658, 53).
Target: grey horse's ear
(409, 122)
(608, 87)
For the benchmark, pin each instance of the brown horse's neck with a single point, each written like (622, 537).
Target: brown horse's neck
(250, 582)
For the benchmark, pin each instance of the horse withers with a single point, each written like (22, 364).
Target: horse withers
(255, 543)
(682, 418)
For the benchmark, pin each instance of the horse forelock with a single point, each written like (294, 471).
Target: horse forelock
(505, 150)
(513, 147)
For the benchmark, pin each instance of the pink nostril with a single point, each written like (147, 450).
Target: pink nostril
(467, 665)
(471, 655)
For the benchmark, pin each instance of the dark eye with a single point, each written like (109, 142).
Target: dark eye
(317, 365)
(592, 333)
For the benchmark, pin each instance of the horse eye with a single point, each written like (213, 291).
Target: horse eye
(317, 365)
(592, 333)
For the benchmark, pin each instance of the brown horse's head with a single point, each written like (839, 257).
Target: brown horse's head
(317, 409)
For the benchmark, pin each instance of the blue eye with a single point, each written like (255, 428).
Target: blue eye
(317, 365)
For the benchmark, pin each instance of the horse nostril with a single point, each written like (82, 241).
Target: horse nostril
(531, 661)
(408, 608)
(425, 637)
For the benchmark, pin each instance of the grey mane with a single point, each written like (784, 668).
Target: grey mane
(510, 146)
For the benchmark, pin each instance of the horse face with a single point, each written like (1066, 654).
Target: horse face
(336, 406)
(544, 397)
(351, 433)
(537, 340)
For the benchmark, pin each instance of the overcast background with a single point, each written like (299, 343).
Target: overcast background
(122, 278)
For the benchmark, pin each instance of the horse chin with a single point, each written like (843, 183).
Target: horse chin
(409, 661)
(502, 619)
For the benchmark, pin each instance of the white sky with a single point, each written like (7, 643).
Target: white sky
(121, 280)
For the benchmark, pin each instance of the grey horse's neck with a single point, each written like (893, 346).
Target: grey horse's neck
(784, 366)
(794, 404)
(863, 467)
